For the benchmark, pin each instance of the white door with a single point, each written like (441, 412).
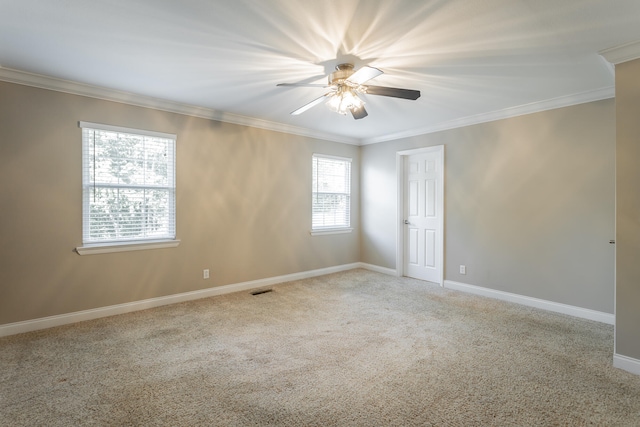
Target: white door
(423, 215)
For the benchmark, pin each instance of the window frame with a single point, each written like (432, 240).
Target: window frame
(122, 244)
(324, 230)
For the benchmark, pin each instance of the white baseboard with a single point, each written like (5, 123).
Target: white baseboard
(80, 316)
(378, 269)
(626, 363)
(570, 310)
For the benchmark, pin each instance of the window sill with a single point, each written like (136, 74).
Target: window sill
(105, 248)
(331, 231)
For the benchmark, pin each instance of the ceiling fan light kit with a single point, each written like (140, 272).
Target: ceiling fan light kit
(345, 84)
(344, 99)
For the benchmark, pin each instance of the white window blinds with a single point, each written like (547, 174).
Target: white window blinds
(128, 179)
(331, 192)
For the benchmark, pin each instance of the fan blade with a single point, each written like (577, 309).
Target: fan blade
(359, 113)
(393, 92)
(364, 74)
(310, 105)
(301, 85)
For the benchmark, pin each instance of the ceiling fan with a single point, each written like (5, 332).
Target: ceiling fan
(344, 86)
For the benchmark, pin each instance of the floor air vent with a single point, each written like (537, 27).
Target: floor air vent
(261, 291)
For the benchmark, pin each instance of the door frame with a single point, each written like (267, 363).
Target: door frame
(400, 157)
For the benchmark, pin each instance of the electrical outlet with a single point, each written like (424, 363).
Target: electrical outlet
(205, 273)
(463, 269)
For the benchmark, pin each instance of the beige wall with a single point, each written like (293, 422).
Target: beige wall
(529, 204)
(628, 209)
(243, 207)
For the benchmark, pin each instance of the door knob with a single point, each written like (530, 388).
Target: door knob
(406, 221)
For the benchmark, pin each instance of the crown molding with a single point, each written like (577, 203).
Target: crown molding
(611, 69)
(75, 88)
(82, 89)
(534, 107)
(623, 53)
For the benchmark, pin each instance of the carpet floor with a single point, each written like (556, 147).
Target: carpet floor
(356, 348)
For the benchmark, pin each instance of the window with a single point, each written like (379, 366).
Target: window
(331, 194)
(128, 181)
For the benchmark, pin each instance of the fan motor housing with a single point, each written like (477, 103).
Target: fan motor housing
(343, 72)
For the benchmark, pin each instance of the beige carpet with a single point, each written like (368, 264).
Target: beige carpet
(350, 349)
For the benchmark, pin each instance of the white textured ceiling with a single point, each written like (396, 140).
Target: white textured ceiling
(469, 58)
